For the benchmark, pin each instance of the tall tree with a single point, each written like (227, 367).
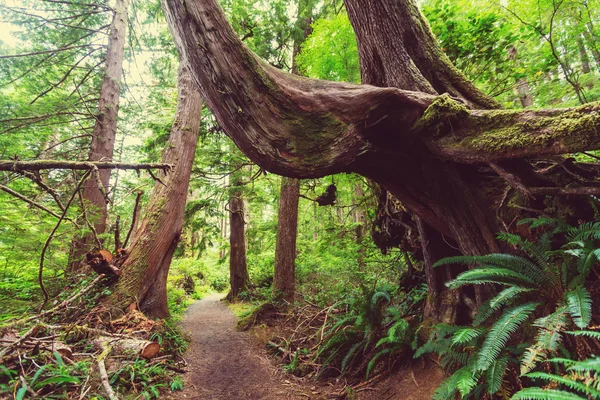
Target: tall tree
(95, 191)
(287, 220)
(438, 154)
(144, 278)
(238, 267)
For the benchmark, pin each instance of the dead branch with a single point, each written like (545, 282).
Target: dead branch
(87, 221)
(37, 165)
(117, 234)
(134, 218)
(104, 376)
(36, 179)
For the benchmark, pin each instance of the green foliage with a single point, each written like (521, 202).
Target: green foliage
(544, 292)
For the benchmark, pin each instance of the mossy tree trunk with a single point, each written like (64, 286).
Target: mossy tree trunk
(238, 266)
(144, 273)
(418, 127)
(105, 131)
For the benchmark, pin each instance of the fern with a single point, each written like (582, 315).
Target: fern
(535, 393)
(590, 334)
(579, 304)
(547, 340)
(466, 335)
(585, 232)
(501, 331)
(501, 276)
(566, 381)
(495, 374)
(504, 298)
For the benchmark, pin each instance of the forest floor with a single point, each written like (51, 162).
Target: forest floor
(224, 364)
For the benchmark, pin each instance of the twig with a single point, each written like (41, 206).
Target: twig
(104, 376)
(511, 179)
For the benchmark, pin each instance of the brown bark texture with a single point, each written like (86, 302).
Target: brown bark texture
(238, 267)
(144, 272)
(285, 247)
(105, 128)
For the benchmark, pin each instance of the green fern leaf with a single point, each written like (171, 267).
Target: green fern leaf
(467, 380)
(495, 374)
(580, 306)
(501, 276)
(566, 381)
(590, 334)
(547, 340)
(585, 232)
(466, 335)
(374, 360)
(545, 394)
(589, 365)
(501, 331)
(504, 298)
(349, 357)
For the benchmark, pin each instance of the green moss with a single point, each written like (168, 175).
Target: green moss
(443, 109)
(503, 131)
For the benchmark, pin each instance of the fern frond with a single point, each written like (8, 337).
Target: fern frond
(467, 380)
(379, 297)
(590, 334)
(374, 360)
(503, 299)
(547, 340)
(588, 365)
(501, 276)
(447, 389)
(534, 393)
(349, 357)
(466, 335)
(566, 381)
(579, 304)
(495, 374)
(585, 232)
(501, 331)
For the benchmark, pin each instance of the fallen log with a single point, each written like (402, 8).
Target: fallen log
(128, 346)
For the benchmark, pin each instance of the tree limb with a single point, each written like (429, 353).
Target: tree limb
(37, 165)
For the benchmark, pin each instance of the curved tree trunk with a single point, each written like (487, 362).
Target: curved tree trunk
(440, 155)
(105, 130)
(144, 273)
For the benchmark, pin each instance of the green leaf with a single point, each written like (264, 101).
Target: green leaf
(504, 298)
(545, 394)
(580, 306)
(466, 335)
(500, 332)
(495, 374)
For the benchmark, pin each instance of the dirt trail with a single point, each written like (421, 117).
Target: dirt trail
(225, 364)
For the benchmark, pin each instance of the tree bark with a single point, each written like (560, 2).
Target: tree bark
(144, 272)
(238, 267)
(430, 151)
(583, 56)
(105, 128)
(285, 248)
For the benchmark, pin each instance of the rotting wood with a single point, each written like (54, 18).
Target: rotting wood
(128, 346)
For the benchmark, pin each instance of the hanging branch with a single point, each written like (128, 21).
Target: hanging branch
(37, 165)
(42, 256)
(36, 179)
(136, 211)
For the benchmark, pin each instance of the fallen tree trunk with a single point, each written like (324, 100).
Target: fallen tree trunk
(128, 346)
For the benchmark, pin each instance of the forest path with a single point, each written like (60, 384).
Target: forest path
(224, 363)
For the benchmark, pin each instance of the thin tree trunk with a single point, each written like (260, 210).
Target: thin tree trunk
(144, 273)
(285, 248)
(589, 38)
(105, 129)
(238, 267)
